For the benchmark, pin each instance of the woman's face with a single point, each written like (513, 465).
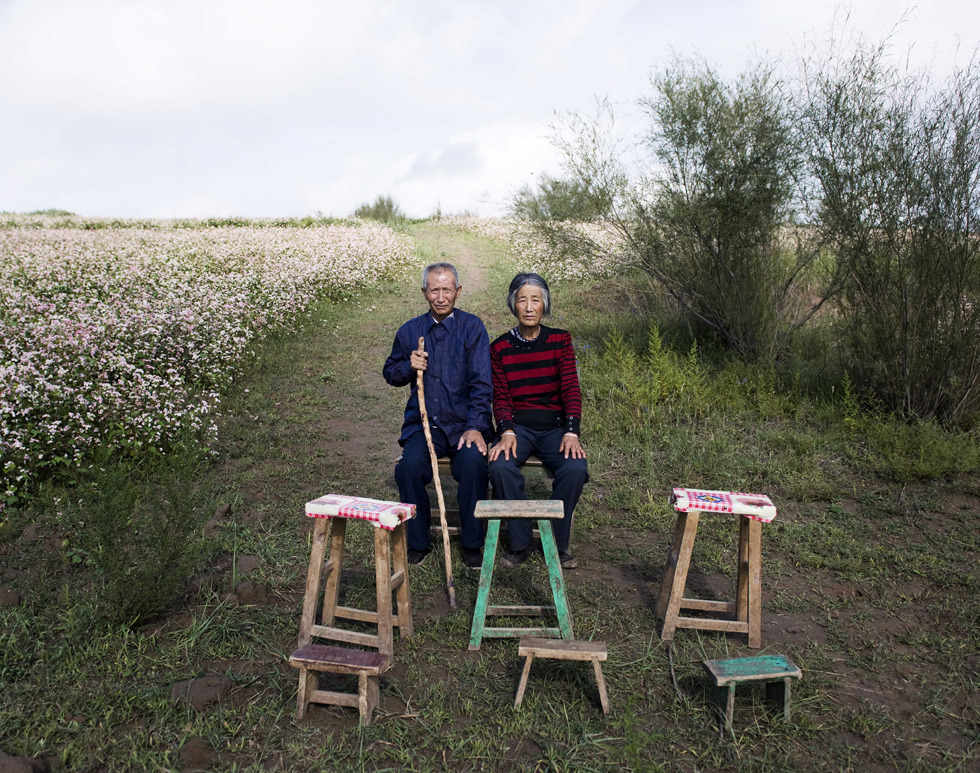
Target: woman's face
(530, 305)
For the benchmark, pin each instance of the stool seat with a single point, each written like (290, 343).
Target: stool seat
(543, 510)
(744, 615)
(776, 671)
(519, 508)
(563, 649)
(367, 666)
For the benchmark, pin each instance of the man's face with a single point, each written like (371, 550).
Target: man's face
(441, 293)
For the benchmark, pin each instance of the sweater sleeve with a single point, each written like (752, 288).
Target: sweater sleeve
(503, 403)
(571, 394)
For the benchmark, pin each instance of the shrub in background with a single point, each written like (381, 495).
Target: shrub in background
(560, 199)
(710, 213)
(897, 167)
(384, 210)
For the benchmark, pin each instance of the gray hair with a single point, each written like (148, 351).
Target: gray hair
(438, 268)
(535, 280)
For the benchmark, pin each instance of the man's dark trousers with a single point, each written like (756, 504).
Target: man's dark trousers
(414, 471)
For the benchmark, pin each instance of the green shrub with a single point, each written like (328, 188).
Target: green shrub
(560, 199)
(710, 213)
(897, 166)
(140, 528)
(384, 209)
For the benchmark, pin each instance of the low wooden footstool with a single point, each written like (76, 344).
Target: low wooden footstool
(775, 671)
(563, 649)
(367, 666)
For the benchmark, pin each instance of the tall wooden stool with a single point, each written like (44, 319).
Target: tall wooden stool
(540, 510)
(390, 546)
(563, 649)
(744, 615)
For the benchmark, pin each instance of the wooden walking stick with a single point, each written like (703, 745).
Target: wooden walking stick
(435, 476)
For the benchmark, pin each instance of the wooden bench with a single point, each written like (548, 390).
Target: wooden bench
(533, 468)
(744, 614)
(563, 649)
(367, 666)
(775, 671)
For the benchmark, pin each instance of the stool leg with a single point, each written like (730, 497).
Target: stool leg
(555, 575)
(307, 684)
(729, 708)
(780, 693)
(522, 685)
(675, 591)
(755, 583)
(403, 595)
(742, 587)
(601, 682)
(313, 579)
(338, 530)
(363, 699)
(486, 579)
(669, 571)
(382, 579)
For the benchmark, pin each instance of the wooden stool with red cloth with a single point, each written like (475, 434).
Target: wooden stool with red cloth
(391, 576)
(744, 615)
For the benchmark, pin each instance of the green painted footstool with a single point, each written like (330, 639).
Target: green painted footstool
(775, 671)
(493, 510)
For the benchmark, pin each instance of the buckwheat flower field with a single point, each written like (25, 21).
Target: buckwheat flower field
(125, 337)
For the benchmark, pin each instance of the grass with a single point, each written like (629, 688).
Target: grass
(869, 573)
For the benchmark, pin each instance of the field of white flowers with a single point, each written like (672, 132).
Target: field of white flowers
(123, 335)
(534, 254)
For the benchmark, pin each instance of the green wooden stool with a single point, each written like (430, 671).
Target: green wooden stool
(776, 671)
(541, 510)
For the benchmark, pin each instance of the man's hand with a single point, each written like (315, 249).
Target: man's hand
(571, 447)
(472, 437)
(506, 446)
(420, 360)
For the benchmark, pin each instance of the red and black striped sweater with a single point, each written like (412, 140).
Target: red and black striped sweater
(535, 383)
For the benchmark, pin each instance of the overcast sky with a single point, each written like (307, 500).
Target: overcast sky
(194, 108)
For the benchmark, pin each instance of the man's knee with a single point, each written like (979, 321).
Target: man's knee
(470, 463)
(412, 468)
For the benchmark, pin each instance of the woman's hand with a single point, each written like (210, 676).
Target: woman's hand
(571, 447)
(506, 446)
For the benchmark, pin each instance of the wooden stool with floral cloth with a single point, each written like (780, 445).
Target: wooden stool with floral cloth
(744, 615)
(391, 576)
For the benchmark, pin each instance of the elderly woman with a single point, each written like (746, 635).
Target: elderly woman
(538, 407)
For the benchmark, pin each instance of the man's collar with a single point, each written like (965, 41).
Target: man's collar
(432, 320)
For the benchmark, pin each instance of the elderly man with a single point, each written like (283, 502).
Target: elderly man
(456, 364)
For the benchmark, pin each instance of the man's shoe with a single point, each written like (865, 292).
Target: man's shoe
(472, 558)
(511, 560)
(416, 557)
(567, 561)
